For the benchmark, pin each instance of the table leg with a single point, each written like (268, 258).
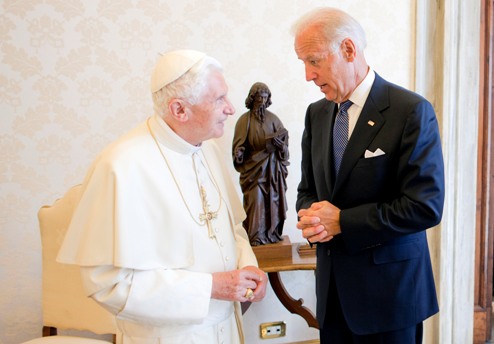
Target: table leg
(292, 305)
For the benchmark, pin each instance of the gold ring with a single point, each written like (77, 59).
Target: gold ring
(249, 294)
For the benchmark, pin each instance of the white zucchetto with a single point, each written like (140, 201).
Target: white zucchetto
(172, 65)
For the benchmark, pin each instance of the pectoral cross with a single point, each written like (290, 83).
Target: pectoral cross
(208, 215)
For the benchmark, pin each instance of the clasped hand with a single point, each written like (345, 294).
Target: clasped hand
(233, 285)
(278, 143)
(319, 223)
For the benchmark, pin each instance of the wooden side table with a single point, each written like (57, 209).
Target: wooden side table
(277, 263)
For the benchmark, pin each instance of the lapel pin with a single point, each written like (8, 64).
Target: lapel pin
(371, 123)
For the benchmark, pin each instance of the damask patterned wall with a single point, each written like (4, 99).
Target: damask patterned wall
(75, 75)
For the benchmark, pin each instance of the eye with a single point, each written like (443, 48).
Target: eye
(313, 61)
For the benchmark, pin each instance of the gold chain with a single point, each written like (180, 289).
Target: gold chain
(208, 216)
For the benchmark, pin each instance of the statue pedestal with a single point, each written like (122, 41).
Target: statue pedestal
(279, 250)
(306, 250)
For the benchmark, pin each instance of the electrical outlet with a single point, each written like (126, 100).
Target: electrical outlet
(273, 329)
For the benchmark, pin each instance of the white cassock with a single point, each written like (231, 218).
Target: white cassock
(144, 253)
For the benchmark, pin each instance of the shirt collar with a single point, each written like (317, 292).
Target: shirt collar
(360, 94)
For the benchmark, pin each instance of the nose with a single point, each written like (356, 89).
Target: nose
(309, 73)
(229, 109)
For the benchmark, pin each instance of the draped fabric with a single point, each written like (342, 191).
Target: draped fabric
(128, 193)
(263, 172)
(145, 256)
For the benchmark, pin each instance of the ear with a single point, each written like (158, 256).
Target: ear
(177, 109)
(348, 49)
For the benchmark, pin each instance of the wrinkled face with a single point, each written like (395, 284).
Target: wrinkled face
(207, 118)
(331, 72)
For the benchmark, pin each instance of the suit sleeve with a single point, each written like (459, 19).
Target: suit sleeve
(306, 191)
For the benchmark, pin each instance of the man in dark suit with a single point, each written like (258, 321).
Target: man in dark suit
(368, 218)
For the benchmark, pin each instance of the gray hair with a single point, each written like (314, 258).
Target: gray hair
(335, 26)
(190, 86)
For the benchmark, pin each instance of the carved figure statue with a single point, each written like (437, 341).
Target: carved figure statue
(260, 155)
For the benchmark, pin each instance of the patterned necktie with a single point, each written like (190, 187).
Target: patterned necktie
(340, 134)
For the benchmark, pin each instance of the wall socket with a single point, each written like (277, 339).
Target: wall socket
(273, 329)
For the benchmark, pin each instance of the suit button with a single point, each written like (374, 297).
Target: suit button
(329, 252)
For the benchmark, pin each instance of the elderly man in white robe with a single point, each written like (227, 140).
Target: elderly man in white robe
(157, 231)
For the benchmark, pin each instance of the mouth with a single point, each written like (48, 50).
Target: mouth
(321, 87)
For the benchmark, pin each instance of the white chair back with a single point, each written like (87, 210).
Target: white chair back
(64, 302)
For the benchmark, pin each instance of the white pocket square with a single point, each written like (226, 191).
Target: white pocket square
(369, 154)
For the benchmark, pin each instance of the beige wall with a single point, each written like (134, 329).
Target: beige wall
(75, 75)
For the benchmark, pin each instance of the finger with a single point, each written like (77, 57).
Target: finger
(312, 231)
(256, 295)
(316, 206)
(262, 281)
(306, 221)
(327, 238)
(259, 292)
(310, 226)
(253, 273)
(321, 237)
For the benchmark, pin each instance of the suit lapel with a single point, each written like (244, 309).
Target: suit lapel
(368, 125)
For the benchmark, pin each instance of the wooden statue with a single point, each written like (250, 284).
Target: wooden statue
(260, 155)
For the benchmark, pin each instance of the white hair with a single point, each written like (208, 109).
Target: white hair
(190, 86)
(335, 26)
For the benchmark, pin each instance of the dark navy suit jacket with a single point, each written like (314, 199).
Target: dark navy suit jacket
(380, 261)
